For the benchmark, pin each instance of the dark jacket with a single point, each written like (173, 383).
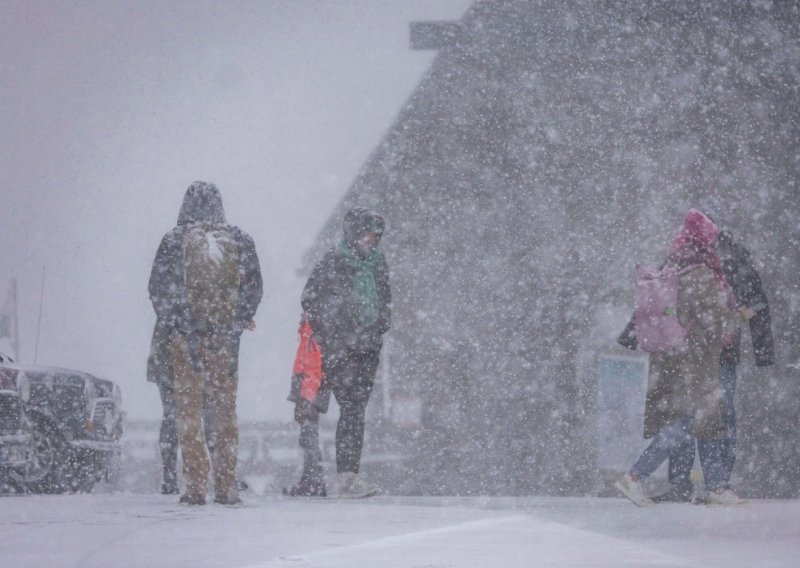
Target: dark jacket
(328, 301)
(328, 297)
(201, 203)
(744, 280)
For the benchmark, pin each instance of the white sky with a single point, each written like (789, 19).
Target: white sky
(111, 109)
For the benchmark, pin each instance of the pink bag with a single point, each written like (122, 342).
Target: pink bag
(656, 313)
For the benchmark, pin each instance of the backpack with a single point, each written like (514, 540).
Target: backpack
(658, 329)
(211, 275)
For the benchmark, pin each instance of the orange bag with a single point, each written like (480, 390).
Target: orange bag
(307, 371)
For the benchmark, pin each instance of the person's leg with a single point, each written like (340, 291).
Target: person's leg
(727, 378)
(311, 481)
(222, 388)
(681, 460)
(355, 377)
(710, 452)
(189, 402)
(168, 439)
(668, 438)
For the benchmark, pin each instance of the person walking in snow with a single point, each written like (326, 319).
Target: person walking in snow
(745, 282)
(205, 286)
(683, 395)
(347, 300)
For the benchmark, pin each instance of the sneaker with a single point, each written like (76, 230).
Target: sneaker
(633, 489)
(306, 489)
(351, 486)
(675, 494)
(723, 496)
(192, 499)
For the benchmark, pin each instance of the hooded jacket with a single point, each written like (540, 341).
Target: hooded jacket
(685, 382)
(329, 300)
(741, 274)
(202, 203)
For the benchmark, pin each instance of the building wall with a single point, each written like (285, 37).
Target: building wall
(553, 148)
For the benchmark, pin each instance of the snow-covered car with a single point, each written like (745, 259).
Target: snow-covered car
(76, 422)
(16, 431)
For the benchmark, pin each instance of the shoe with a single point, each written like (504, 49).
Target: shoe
(700, 497)
(228, 499)
(351, 486)
(675, 494)
(723, 496)
(633, 489)
(306, 489)
(192, 499)
(169, 489)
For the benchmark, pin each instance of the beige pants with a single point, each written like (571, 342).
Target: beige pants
(216, 384)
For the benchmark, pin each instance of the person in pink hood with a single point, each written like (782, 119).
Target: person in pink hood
(683, 394)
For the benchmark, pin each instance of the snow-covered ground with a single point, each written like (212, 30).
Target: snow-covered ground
(127, 530)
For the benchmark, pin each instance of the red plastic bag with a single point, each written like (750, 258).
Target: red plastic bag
(307, 365)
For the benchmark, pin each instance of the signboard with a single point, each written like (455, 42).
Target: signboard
(621, 387)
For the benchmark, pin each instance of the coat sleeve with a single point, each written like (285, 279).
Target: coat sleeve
(628, 336)
(313, 298)
(251, 287)
(166, 282)
(761, 333)
(385, 297)
(752, 295)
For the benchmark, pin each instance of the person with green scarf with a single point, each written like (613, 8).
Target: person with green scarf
(347, 301)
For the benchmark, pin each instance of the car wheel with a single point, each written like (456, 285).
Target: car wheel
(41, 464)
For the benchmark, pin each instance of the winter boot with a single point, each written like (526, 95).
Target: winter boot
(306, 488)
(192, 499)
(228, 498)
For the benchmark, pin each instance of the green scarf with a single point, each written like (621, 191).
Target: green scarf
(365, 291)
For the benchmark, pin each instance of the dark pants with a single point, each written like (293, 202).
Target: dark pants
(168, 437)
(721, 451)
(309, 441)
(352, 378)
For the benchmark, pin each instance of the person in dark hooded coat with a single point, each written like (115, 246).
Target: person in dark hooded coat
(196, 366)
(347, 300)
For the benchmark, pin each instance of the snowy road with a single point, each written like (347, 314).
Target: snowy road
(127, 530)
